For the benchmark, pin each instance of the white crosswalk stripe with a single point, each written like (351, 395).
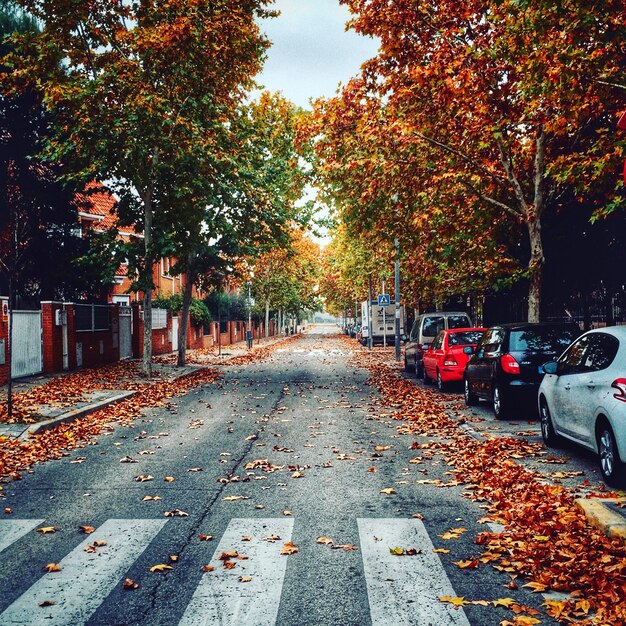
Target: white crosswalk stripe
(86, 578)
(405, 590)
(222, 599)
(12, 530)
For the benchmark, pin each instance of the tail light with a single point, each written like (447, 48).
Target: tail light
(509, 364)
(449, 360)
(620, 385)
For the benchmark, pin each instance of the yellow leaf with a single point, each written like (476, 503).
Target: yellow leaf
(161, 567)
(52, 567)
(441, 551)
(151, 498)
(541, 538)
(297, 475)
(505, 602)
(142, 478)
(396, 551)
(388, 491)
(535, 586)
(245, 579)
(455, 601)
(526, 620)
(45, 530)
(324, 540)
(234, 498)
(169, 479)
(470, 564)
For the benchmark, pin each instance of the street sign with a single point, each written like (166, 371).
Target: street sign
(384, 299)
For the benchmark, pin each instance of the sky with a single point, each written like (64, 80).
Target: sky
(312, 52)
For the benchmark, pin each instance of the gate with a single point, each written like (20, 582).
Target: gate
(126, 347)
(26, 349)
(174, 333)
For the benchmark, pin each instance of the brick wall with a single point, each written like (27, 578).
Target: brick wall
(52, 335)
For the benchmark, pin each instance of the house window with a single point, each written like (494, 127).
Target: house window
(165, 266)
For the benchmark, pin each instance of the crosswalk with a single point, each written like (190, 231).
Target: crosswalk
(249, 594)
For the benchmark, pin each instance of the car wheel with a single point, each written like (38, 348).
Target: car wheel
(440, 384)
(471, 399)
(425, 377)
(500, 405)
(406, 365)
(550, 438)
(611, 467)
(419, 372)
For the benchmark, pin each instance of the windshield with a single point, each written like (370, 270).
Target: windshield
(466, 338)
(458, 321)
(547, 339)
(432, 325)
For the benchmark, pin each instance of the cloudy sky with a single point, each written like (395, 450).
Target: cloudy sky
(312, 52)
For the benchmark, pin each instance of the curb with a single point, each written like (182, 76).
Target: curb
(602, 517)
(75, 414)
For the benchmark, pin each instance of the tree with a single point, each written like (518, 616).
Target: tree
(143, 84)
(508, 101)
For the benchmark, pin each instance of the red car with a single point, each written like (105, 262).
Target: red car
(445, 359)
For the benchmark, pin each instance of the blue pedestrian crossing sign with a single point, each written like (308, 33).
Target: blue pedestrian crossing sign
(384, 299)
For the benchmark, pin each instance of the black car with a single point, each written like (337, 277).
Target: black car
(506, 366)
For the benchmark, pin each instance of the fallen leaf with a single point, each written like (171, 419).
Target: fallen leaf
(46, 530)
(176, 513)
(142, 478)
(234, 498)
(246, 538)
(324, 540)
(52, 567)
(169, 479)
(207, 568)
(245, 579)
(45, 603)
(441, 551)
(87, 529)
(173, 558)
(151, 498)
(130, 584)
(161, 567)
(455, 601)
(505, 602)
(205, 537)
(388, 491)
(536, 586)
(470, 564)
(289, 548)
(287, 513)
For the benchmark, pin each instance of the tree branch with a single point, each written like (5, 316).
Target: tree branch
(505, 207)
(461, 155)
(507, 164)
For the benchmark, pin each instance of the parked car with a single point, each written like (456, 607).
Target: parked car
(582, 398)
(425, 328)
(507, 365)
(445, 359)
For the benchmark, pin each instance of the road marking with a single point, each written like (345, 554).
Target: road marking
(14, 529)
(221, 598)
(405, 590)
(86, 578)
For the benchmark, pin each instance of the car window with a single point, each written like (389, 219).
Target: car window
(458, 321)
(572, 361)
(438, 341)
(415, 329)
(542, 338)
(601, 352)
(465, 338)
(490, 342)
(432, 325)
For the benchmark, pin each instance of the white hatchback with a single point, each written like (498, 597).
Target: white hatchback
(582, 398)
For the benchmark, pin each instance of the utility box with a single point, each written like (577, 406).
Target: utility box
(60, 317)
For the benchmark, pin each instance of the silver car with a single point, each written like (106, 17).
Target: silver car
(582, 398)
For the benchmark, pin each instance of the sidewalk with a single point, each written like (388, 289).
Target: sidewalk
(45, 400)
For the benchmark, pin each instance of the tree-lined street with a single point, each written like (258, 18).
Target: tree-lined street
(285, 492)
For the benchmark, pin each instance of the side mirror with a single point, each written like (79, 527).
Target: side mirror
(425, 346)
(550, 367)
(468, 350)
(403, 338)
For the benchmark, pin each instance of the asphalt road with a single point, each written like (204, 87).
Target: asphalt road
(272, 457)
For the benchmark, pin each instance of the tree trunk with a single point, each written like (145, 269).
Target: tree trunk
(267, 318)
(184, 313)
(535, 270)
(146, 279)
